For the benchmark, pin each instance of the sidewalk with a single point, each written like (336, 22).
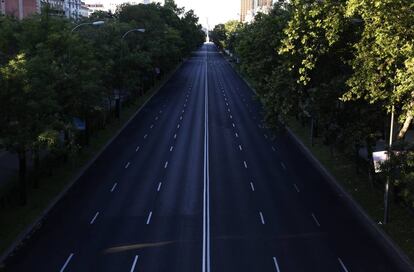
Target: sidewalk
(9, 166)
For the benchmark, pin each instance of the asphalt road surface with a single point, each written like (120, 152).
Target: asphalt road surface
(196, 183)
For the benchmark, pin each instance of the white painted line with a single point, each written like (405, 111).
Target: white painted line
(159, 186)
(237, 135)
(343, 265)
(113, 187)
(276, 264)
(149, 218)
(175, 136)
(262, 218)
(274, 149)
(94, 218)
(283, 165)
(234, 125)
(156, 118)
(137, 149)
(127, 165)
(185, 105)
(166, 164)
(252, 186)
(240, 148)
(160, 111)
(183, 111)
(67, 262)
(231, 116)
(134, 263)
(145, 136)
(228, 110)
(152, 126)
(206, 184)
(227, 104)
(297, 188)
(178, 126)
(181, 117)
(245, 164)
(265, 136)
(316, 220)
(171, 148)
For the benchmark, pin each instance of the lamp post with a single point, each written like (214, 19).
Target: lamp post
(96, 23)
(387, 183)
(117, 96)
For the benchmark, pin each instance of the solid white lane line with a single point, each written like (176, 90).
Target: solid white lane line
(245, 164)
(175, 136)
(145, 136)
(136, 149)
(252, 186)
(283, 165)
(166, 164)
(149, 218)
(171, 148)
(94, 218)
(274, 149)
(316, 220)
(240, 147)
(127, 165)
(159, 186)
(237, 135)
(343, 265)
(113, 187)
(206, 184)
(276, 264)
(66, 263)
(297, 188)
(262, 218)
(134, 263)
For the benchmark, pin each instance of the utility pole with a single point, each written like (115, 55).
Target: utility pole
(387, 183)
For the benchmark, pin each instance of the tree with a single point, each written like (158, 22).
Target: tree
(383, 64)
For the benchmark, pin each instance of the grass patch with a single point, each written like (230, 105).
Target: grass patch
(401, 225)
(15, 218)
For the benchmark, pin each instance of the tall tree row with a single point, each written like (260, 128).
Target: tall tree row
(59, 85)
(340, 66)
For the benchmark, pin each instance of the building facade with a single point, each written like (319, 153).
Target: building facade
(249, 9)
(19, 8)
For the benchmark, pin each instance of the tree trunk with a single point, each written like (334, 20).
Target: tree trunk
(406, 126)
(36, 165)
(22, 177)
(87, 130)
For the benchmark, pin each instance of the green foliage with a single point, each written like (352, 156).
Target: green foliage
(50, 74)
(337, 64)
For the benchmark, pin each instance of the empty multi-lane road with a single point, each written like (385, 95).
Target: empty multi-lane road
(196, 183)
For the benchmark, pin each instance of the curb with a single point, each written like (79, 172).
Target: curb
(382, 238)
(26, 234)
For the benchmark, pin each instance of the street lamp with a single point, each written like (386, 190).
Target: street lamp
(117, 97)
(96, 23)
(142, 30)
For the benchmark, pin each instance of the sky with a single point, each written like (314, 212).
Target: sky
(217, 11)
